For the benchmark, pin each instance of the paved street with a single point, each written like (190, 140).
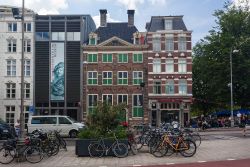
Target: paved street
(217, 146)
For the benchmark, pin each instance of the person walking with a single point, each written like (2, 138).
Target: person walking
(243, 125)
(17, 127)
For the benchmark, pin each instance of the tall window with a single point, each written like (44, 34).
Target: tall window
(108, 98)
(122, 58)
(169, 44)
(107, 78)
(12, 27)
(42, 36)
(168, 24)
(92, 78)
(137, 58)
(182, 66)
(58, 36)
(157, 87)
(92, 102)
(107, 58)
(27, 90)
(137, 106)
(12, 45)
(122, 98)
(170, 87)
(157, 65)
(137, 77)
(27, 46)
(156, 44)
(92, 41)
(92, 58)
(182, 44)
(27, 27)
(73, 36)
(169, 66)
(122, 77)
(10, 115)
(182, 86)
(11, 67)
(10, 90)
(27, 67)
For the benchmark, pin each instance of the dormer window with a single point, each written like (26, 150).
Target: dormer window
(138, 38)
(168, 24)
(92, 39)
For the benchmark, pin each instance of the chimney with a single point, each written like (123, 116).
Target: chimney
(131, 17)
(103, 18)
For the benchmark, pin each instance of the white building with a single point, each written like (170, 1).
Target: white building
(10, 64)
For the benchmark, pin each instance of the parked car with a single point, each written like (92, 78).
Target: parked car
(6, 131)
(65, 124)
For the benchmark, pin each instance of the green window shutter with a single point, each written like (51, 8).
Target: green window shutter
(125, 58)
(125, 81)
(89, 58)
(120, 58)
(140, 57)
(95, 81)
(135, 58)
(94, 59)
(89, 81)
(104, 58)
(109, 57)
(104, 81)
(110, 81)
(92, 41)
(140, 112)
(119, 81)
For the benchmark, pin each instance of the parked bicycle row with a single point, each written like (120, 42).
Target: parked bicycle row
(36, 145)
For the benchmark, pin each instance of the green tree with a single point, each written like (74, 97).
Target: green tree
(211, 61)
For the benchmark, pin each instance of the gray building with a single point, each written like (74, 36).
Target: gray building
(58, 41)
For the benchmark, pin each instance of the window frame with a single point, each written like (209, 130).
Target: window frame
(137, 57)
(12, 27)
(138, 79)
(27, 67)
(138, 107)
(123, 78)
(107, 78)
(182, 87)
(91, 56)
(157, 65)
(108, 95)
(122, 95)
(90, 108)
(182, 44)
(156, 44)
(107, 58)
(157, 87)
(122, 57)
(11, 68)
(92, 79)
(27, 89)
(169, 88)
(10, 90)
(182, 66)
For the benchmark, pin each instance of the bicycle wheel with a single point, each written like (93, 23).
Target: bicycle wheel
(197, 139)
(33, 154)
(63, 144)
(120, 150)
(96, 150)
(7, 154)
(187, 148)
(132, 147)
(139, 142)
(159, 150)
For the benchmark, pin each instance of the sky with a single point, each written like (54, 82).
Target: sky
(198, 14)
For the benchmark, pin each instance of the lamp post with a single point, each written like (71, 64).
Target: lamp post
(231, 85)
(142, 85)
(15, 12)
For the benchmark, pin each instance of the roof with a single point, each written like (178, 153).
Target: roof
(120, 30)
(157, 23)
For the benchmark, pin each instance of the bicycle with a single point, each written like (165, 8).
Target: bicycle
(98, 148)
(186, 147)
(9, 152)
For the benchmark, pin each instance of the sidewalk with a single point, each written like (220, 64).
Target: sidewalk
(212, 150)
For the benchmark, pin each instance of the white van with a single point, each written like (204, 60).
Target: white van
(67, 125)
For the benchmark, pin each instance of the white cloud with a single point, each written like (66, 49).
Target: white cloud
(158, 2)
(40, 6)
(130, 4)
(97, 20)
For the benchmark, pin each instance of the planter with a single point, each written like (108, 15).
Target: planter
(81, 147)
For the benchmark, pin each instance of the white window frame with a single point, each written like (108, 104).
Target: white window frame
(182, 65)
(26, 27)
(11, 27)
(182, 87)
(27, 66)
(108, 95)
(170, 85)
(11, 67)
(107, 77)
(169, 45)
(169, 68)
(156, 87)
(92, 97)
(11, 88)
(168, 24)
(92, 72)
(122, 77)
(27, 91)
(12, 46)
(139, 105)
(138, 74)
(126, 95)
(156, 42)
(182, 43)
(27, 46)
(156, 65)
(10, 110)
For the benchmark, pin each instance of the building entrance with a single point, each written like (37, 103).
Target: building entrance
(169, 116)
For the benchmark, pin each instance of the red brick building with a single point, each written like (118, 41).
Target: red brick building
(169, 69)
(114, 67)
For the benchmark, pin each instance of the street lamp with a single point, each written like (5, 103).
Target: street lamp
(231, 84)
(15, 12)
